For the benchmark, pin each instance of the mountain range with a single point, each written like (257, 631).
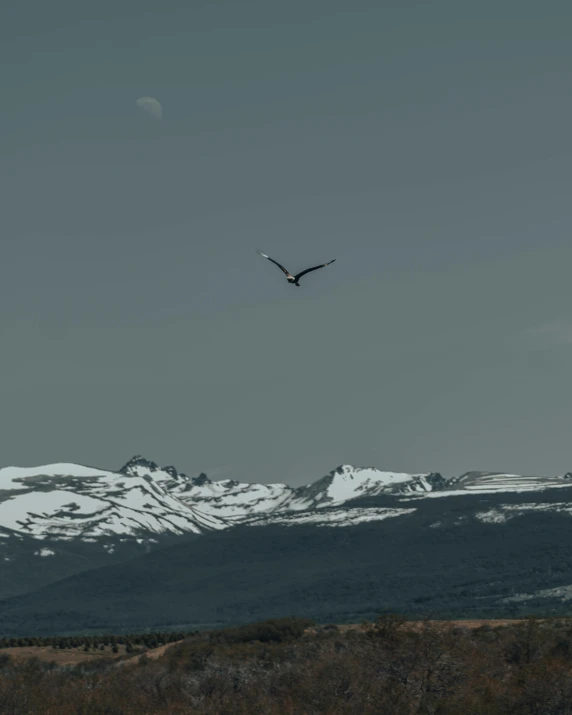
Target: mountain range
(114, 540)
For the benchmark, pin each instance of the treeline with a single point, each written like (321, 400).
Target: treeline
(281, 667)
(131, 641)
(273, 630)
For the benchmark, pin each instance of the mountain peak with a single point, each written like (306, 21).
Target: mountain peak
(346, 482)
(138, 466)
(201, 480)
(131, 467)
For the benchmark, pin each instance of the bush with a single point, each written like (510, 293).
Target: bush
(274, 630)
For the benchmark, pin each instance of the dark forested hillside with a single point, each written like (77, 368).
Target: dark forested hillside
(27, 564)
(435, 560)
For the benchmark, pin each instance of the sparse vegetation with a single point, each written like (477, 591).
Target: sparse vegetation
(291, 667)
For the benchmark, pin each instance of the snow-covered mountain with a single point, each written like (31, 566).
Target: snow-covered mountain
(228, 499)
(67, 501)
(238, 501)
(347, 483)
(142, 500)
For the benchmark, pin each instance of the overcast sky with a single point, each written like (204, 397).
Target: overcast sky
(426, 146)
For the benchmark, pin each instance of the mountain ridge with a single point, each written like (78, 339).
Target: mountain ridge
(143, 500)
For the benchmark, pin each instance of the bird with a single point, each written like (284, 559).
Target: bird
(293, 280)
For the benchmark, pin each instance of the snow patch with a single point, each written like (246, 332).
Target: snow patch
(493, 516)
(336, 517)
(504, 512)
(564, 593)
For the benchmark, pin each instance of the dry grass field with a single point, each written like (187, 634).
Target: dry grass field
(65, 656)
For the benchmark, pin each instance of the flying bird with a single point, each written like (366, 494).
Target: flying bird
(289, 277)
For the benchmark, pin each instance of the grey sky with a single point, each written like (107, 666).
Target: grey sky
(426, 146)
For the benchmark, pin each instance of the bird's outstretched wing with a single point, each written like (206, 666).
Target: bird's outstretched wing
(315, 268)
(275, 262)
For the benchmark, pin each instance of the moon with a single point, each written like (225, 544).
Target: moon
(151, 106)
